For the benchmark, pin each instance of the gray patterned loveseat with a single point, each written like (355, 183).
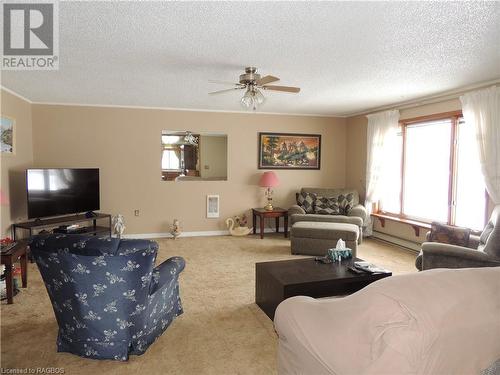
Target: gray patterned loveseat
(350, 209)
(108, 297)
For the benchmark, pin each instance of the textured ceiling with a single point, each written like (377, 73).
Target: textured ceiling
(346, 56)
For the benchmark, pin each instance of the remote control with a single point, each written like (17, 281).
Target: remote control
(355, 270)
(323, 260)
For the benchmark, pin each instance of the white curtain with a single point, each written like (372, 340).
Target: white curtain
(381, 149)
(482, 109)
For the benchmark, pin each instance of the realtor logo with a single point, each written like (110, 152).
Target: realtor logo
(30, 36)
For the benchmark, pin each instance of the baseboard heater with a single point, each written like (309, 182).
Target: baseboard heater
(407, 244)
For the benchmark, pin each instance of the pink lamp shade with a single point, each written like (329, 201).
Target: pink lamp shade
(269, 179)
(3, 199)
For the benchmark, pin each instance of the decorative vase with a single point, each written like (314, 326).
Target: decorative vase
(237, 231)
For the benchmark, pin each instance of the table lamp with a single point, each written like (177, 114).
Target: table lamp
(269, 180)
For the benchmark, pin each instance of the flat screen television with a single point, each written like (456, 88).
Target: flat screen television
(53, 192)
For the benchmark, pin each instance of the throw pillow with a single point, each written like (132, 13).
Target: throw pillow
(486, 234)
(306, 201)
(326, 206)
(448, 234)
(345, 202)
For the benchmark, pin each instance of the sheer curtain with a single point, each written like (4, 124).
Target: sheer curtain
(482, 109)
(381, 150)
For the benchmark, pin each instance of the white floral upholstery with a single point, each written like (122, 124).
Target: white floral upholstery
(108, 298)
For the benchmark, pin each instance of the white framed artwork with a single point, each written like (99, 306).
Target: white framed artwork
(7, 135)
(212, 206)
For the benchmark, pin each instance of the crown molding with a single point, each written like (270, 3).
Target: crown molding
(187, 109)
(12, 92)
(184, 109)
(165, 108)
(423, 100)
(428, 99)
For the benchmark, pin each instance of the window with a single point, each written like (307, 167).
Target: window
(170, 160)
(438, 177)
(427, 170)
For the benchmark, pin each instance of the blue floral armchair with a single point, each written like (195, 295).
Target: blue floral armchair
(108, 298)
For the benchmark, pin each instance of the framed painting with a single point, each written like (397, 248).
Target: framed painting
(7, 133)
(289, 151)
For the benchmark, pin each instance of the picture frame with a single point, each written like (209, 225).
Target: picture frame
(289, 151)
(213, 206)
(7, 135)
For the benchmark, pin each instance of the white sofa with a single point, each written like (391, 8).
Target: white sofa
(432, 322)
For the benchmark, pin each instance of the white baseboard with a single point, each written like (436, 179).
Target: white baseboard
(207, 233)
(413, 246)
(183, 234)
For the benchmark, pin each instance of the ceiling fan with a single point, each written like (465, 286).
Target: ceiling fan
(253, 83)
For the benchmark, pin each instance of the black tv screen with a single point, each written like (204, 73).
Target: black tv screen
(53, 192)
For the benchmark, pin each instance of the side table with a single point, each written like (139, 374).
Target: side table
(262, 213)
(19, 251)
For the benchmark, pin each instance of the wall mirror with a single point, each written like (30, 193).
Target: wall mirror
(193, 156)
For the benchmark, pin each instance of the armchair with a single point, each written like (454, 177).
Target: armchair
(108, 297)
(485, 254)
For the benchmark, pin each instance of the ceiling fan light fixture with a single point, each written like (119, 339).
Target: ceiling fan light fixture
(253, 83)
(259, 97)
(252, 98)
(247, 100)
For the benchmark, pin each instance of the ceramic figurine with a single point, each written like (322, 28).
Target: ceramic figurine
(237, 231)
(175, 229)
(118, 225)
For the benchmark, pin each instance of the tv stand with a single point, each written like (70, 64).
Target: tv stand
(90, 214)
(98, 225)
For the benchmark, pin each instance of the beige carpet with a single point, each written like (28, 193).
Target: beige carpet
(221, 332)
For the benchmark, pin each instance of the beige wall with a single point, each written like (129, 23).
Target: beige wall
(13, 166)
(430, 109)
(125, 144)
(356, 158)
(213, 156)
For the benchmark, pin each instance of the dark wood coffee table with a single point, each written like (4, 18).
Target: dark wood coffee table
(277, 281)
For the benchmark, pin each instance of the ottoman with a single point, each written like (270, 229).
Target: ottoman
(315, 238)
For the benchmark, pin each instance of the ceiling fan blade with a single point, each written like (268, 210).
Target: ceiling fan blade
(225, 83)
(266, 79)
(226, 90)
(282, 88)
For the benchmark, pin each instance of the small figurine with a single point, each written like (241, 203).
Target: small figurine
(118, 225)
(175, 229)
